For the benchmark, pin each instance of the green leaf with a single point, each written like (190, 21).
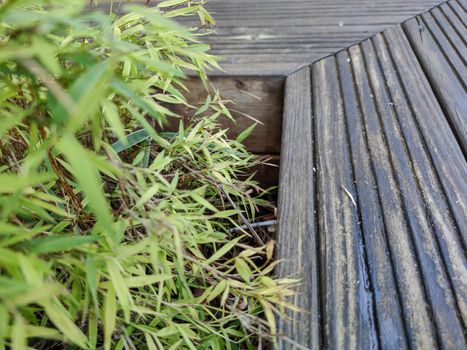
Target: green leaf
(84, 93)
(112, 116)
(91, 278)
(57, 243)
(226, 213)
(110, 317)
(43, 332)
(12, 183)
(167, 331)
(244, 134)
(202, 201)
(132, 139)
(4, 321)
(224, 250)
(88, 178)
(141, 281)
(61, 319)
(92, 331)
(150, 342)
(51, 208)
(123, 294)
(171, 3)
(19, 340)
(125, 91)
(243, 269)
(221, 286)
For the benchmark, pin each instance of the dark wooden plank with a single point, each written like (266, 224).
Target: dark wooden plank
(454, 20)
(389, 186)
(457, 42)
(347, 311)
(421, 229)
(440, 233)
(459, 9)
(296, 230)
(444, 151)
(252, 98)
(265, 32)
(443, 61)
(381, 281)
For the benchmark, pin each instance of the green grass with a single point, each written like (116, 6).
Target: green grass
(114, 235)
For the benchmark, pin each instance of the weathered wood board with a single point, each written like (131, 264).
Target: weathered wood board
(280, 36)
(253, 98)
(383, 259)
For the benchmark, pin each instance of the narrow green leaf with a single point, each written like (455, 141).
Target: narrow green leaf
(92, 331)
(113, 118)
(221, 286)
(57, 243)
(244, 134)
(4, 321)
(12, 183)
(82, 92)
(202, 201)
(61, 319)
(121, 88)
(91, 278)
(121, 290)
(19, 340)
(243, 269)
(110, 317)
(224, 250)
(43, 332)
(150, 342)
(171, 3)
(132, 139)
(141, 281)
(87, 177)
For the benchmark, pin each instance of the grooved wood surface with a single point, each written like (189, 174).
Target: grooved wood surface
(296, 207)
(276, 35)
(384, 259)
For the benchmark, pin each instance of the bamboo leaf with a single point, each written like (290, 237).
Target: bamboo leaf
(224, 250)
(87, 177)
(4, 322)
(121, 290)
(91, 278)
(220, 288)
(57, 243)
(121, 88)
(61, 319)
(202, 201)
(112, 116)
(141, 281)
(110, 317)
(243, 269)
(19, 340)
(244, 134)
(131, 140)
(171, 3)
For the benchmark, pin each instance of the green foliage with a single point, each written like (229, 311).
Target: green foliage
(113, 234)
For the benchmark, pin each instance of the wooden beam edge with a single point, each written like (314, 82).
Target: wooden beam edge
(296, 239)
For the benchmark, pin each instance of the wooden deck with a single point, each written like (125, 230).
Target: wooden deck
(274, 36)
(373, 190)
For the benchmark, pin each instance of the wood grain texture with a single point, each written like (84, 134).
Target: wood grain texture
(273, 35)
(258, 97)
(439, 39)
(296, 208)
(388, 267)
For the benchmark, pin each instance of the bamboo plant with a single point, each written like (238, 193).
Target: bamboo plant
(115, 233)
